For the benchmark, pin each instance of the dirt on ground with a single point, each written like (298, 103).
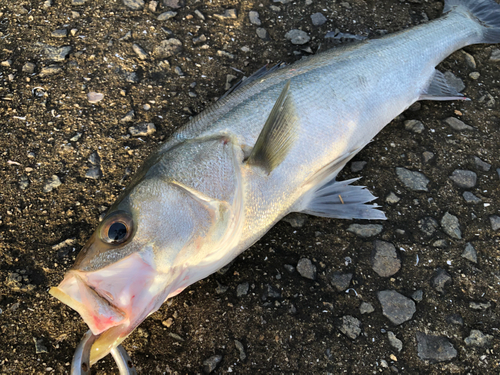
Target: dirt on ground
(65, 159)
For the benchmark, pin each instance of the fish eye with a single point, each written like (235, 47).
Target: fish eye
(117, 228)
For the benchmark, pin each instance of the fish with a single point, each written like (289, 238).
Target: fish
(272, 146)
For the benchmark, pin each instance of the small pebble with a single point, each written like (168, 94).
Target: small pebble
(241, 349)
(340, 280)
(94, 173)
(153, 5)
(441, 280)
(482, 164)
(29, 68)
(427, 155)
(306, 269)
(262, 33)
(296, 36)
(495, 55)
(412, 180)
(478, 338)
(139, 52)
(428, 225)
(318, 19)
(418, 295)
(242, 289)
(455, 319)
(134, 4)
(296, 220)
(385, 259)
(470, 253)
(199, 15)
(51, 184)
(495, 222)
(166, 15)
(210, 364)
(474, 75)
(451, 226)
(471, 198)
(229, 14)
(366, 308)
(39, 346)
(350, 326)
(94, 97)
(396, 307)
(174, 4)
(469, 60)
(365, 230)
(357, 166)
(394, 341)
(60, 33)
(457, 124)
(254, 18)
(434, 348)
(392, 198)
(414, 126)
(464, 178)
(142, 130)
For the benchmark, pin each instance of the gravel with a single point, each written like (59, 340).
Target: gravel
(365, 230)
(350, 326)
(412, 180)
(385, 259)
(254, 17)
(441, 280)
(396, 307)
(464, 178)
(495, 222)
(414, 126)
(318, 19)
(341, 280)
(51, 183)
(457, 124)
(298, 37)
(478, 338)
(394, 341)
(451, 226)
(435, 348)
(471, 198)
(470, 253)
(306, 269)
(366, 308)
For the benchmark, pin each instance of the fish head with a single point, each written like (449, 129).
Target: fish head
(141, 253)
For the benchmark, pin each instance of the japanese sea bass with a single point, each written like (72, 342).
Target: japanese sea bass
(273, 146)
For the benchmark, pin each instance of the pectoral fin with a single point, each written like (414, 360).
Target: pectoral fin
(440, 89)
(278, 134)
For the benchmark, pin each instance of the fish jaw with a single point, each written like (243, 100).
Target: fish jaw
(114, 300)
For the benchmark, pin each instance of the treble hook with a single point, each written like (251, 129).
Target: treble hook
(80, 365)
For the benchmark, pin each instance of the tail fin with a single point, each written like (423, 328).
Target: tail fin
(485, 12)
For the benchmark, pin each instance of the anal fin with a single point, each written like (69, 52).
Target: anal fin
(341, 200)
(440, 89)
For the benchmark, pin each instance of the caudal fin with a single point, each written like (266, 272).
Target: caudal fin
(486, 13)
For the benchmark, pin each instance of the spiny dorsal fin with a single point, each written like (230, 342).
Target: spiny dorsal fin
(278, 134)
(440, 89)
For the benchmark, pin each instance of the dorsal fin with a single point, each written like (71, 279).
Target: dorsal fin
(278, 134)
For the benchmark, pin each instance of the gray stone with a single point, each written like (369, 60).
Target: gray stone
(441, 244)
(51, 183)
(289, 268)
(464, 178)
(418, 295)
(168, 48)
(174, 4)
(166, 15)
(221, 289)
(441, 280)
(94, 158)
(392, 198)
(222, 53)
(254, 17)
(296, 36)
(434, 348)
(469, 60)
(210, 364)
(414, 126)
(488, 100)
(482, 164)
(142, 129)
(474, 75)
(59, 33)
(296, 220)
(495, 222)
(454, 81)
(200, 39)
(242, 289)
(134, 4)
(357, 166)
(199, 15)
(394, 341)
(129, 117)
(412, 180)
(456, 124)
(471, 198)
(428, 225)
(478, 338)
(396, 307)
(306, 269)
(366, 308)
(178, 71)
(139, 51)
(131, 77)
(270, 292)
(455, 319)
(480, 305)
(340, 280)
(94, 97)
(94, 173)
(385, 259)
(229, 14)
(29, 68)
(470, 253)
(318, 19)
(241, 349)
(262, 33)
(427, 155)
(78, 2)
(350, 326)
(39, 346)
(451, 226)
(495, 55)
(50, 70)
(24, 182)
(52, 53)
(365, 230)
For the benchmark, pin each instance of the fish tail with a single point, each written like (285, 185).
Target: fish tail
(485, 12)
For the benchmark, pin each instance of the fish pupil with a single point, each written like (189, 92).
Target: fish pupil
(117, 232)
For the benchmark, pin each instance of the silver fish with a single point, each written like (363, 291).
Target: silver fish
(273, 146)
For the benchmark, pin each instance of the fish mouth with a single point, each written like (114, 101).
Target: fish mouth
(112, 301)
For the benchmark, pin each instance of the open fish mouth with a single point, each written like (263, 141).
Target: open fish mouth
(112, 310)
